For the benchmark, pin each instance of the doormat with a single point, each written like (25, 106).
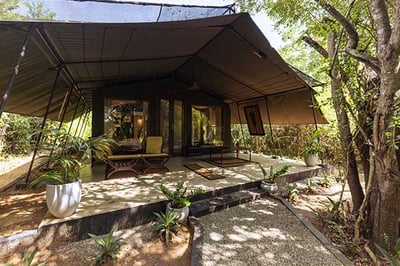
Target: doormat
(203, 171)
(227, 161)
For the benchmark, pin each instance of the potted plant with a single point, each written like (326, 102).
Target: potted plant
(312, 150)
(268, 184)
(179, 200)
(66, 153)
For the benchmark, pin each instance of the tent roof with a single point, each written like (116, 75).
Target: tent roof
(225, 56)
(122, 11)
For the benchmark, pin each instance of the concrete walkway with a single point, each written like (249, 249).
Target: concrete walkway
(263, 232)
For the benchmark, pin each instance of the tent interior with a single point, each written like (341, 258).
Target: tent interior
(152, 78)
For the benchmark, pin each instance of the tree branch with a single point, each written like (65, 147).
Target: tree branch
(347, 26)
(395, 38)
(368, 60)
(381, 21)
(351, 46)
(316, 46)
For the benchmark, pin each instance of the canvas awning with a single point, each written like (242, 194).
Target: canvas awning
(226, 56)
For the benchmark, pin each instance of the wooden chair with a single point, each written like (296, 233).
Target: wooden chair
(152, 158)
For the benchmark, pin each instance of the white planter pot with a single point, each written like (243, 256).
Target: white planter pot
(62, 200)
(269, 187)
(181, 213)
(311, 159)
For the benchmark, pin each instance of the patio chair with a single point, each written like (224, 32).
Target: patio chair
(154, 157)
(153, 144)
(151, 159)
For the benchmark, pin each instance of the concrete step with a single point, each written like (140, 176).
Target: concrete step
(224, 201)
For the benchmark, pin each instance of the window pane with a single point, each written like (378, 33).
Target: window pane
(206, 125)
(126, 121)
(164, 124)
(178, 126)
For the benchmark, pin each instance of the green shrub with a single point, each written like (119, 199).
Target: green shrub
(393, 259)
(178, 197)
(166, 225)
(290, 192)
(109, 248)
(28, 258)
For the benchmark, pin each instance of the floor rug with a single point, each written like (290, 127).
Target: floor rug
(226, 161)
(203, 171)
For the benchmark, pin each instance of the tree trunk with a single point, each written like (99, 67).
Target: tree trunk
(363, 150)
(386, 213)
(338, 100)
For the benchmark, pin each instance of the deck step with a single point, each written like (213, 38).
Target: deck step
(225, 201)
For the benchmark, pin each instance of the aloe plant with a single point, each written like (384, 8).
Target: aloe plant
(109, 248)
(66, 154)
(270, 178)
(166, 225)
(178, 197)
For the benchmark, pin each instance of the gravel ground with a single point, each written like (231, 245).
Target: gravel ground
(263, 232)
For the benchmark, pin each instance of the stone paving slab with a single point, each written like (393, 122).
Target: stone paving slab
(263, 232)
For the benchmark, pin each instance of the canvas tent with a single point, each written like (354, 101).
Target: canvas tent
(226, 57)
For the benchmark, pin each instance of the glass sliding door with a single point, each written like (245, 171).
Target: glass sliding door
(178, 126)
(165, 124)
(206, 125)
(171, 125)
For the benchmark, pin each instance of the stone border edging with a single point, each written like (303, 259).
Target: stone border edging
(325, 241)
(195, 253)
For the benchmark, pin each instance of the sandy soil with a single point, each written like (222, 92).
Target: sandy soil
(140, 246)
(21, 210)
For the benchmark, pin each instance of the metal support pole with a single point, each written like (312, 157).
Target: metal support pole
(64, 107)
(315, 118)
(64, 111)
(313, 109)
(73, 116)
(43, 124)
(270, 126)
(240, 120)
(83, 124)
(86, 124)
(16, 70)
(79, 121)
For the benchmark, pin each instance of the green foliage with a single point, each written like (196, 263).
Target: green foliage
(346, 245)
(334, 210)
(178, 197)
(8, 8)
(166, 225)
(38, 11)
(109, 248)
(325, 181)
(290, 192)
(66, 154)
(274, 174)
(393, 259)
(290, 141)
(333, 213)
(270, 178)
(313, 144)
(86, 131)
(28, 258)
(311, 185)
(15, 130)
